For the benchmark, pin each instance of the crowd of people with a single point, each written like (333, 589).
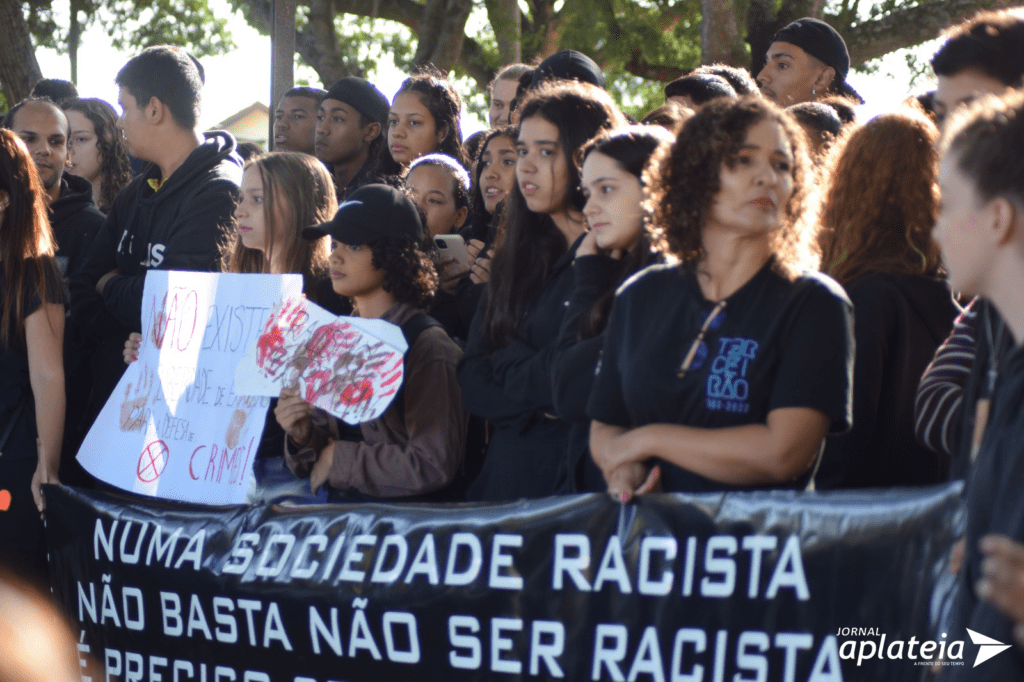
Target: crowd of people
(749, 289)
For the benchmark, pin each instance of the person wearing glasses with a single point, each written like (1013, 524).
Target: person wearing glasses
(725, 367)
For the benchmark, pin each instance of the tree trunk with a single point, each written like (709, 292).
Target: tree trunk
(503, 15)
(319, 47)
(74, 40)
(441, 32)
(722, 33)
(764, 20)
(19, 69)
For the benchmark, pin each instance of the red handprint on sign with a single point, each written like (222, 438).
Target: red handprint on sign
(133, 409)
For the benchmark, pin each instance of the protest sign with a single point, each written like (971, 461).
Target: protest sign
(347, 366)
(780, 586)
(175, 427)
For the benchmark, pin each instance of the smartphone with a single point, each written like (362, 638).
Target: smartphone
(452, 246)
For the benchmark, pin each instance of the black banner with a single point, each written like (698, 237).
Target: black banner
(777, 586)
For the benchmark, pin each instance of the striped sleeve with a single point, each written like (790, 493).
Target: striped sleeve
(938, 408)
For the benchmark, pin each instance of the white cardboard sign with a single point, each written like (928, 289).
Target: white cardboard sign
(175, 427)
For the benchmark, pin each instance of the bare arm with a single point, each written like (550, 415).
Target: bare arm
(44, 331)
(753, 454)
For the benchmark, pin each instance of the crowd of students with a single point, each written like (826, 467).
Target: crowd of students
(745, 291)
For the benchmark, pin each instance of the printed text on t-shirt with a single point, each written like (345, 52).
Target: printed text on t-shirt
(727, 387)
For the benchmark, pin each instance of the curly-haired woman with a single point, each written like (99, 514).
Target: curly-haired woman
(877, 242)
(416, 447)
(97, 152)
(729, 364)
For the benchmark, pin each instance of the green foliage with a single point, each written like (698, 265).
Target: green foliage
(136, 24)
(368, 41)
(635, 96)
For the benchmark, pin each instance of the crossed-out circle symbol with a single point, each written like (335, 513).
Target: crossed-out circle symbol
(153, 461)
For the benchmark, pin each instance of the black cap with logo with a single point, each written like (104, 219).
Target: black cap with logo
(370, 213)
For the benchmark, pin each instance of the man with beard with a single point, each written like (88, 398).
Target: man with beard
(75, 220)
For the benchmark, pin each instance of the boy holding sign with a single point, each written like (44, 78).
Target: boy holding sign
(416, 447)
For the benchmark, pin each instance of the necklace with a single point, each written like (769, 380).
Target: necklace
(690, 354)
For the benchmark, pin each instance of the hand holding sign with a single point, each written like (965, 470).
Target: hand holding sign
(293, 414)
(347, 366)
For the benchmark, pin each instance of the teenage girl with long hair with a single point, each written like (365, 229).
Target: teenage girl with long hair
(97, 151)
(506, 373)
(281, 194)
(877, 223)
(494, 177)
(728, 367)
(424, 119)
(616, 246)
(31, 365)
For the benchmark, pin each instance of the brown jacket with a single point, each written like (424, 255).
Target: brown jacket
(400, 457)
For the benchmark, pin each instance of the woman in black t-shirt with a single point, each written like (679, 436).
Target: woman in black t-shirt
(31, 364)
(505, 373)
(729, 367)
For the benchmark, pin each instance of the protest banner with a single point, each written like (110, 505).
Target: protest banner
(780, 586)
(347, 366)
(175, 427)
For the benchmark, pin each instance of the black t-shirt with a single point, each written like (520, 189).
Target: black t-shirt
(16, 400)
(776, 343)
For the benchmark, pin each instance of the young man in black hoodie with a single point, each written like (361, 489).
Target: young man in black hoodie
(169, 218)
(75, 219)
(44, 128)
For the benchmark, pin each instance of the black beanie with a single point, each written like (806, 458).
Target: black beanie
(823, 42)
(363, 96)
(569, 65)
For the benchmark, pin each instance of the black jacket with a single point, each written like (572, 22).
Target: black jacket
(572, 371)
(511, 388)
(994, 506)
(177, 227)
(899, 321)
(75, 220)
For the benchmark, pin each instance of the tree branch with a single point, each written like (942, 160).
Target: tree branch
(475, 63)
(910, 26)
(639, 67)
(406, 12)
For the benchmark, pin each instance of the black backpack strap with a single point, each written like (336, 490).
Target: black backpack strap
(416, 325)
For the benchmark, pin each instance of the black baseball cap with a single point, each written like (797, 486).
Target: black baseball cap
(824, 43)
(363, 96)
(370, 213)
